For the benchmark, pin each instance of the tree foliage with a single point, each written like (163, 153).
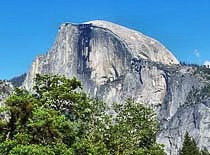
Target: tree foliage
(190, 147)
(58, 118)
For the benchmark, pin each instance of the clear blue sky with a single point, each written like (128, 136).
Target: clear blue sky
(29, 27)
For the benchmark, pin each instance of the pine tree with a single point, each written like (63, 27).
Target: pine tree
(189, 146)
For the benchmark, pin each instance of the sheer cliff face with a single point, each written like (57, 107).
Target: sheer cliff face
(100, 53)
(115, 63)
(5, 90)
(186, 108)
(94, 55)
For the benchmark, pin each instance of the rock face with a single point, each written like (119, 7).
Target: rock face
(115, 63)
(138, 44)
(186, 108)
(5, 90)
(18, 80)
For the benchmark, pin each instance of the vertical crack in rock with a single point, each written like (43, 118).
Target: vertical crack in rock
(167, 76)
(83, 48)
(115, 71)
(139, 71)
(137, 66)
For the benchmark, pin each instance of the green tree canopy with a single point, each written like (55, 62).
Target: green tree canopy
(58, 118)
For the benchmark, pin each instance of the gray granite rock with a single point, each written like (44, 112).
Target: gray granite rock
(115, 63)
(6, 89)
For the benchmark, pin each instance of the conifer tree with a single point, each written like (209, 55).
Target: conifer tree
(189, 146)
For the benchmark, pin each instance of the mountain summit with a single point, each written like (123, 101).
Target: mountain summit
(140, 45)
(115, 63)
(103, 46)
